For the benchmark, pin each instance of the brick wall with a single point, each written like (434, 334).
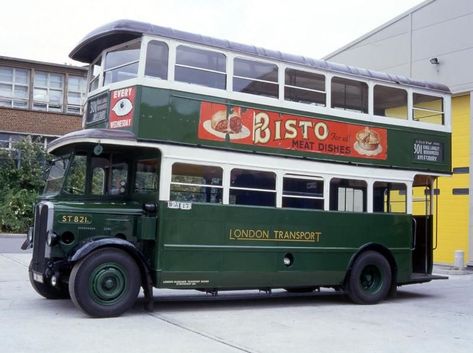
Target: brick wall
(38, 123)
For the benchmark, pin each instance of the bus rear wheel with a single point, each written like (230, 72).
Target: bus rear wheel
(370, 278)
(105, 283)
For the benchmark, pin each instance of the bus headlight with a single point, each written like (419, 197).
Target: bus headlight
(52, 238)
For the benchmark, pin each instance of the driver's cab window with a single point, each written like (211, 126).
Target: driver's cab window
(109, 176)
(75, 182)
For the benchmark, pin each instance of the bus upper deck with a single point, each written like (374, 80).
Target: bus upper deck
(172, 86)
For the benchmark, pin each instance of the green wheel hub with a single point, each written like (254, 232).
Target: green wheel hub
(108, 283)
(371, 279)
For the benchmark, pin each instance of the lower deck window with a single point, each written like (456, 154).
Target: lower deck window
(146, 178)
(389, 197)
(196, 183)
(303, 192)
(347, 195)
(252, 187)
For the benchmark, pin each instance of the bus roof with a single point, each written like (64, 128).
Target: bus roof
(124, 30)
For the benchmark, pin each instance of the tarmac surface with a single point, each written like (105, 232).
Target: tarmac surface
(432, 317)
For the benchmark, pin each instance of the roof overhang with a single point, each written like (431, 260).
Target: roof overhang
(103, 136)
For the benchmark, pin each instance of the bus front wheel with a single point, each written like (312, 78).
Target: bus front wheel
(105, 283)
(370, 278)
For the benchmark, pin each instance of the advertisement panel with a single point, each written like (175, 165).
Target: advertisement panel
(262, 128)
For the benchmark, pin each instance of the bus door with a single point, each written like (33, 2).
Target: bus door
(423, 223)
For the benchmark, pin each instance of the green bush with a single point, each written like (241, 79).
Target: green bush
(21, 181)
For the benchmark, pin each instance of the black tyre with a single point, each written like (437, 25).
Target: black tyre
(105, 283)
(46, 290)
(370, 278)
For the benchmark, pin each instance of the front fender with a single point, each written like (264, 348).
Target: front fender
(86, 248)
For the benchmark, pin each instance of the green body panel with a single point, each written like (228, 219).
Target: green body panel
(93, 219)
(216, 246)
(171, 116)
(213, 246)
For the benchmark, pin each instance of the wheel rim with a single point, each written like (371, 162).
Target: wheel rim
(108, 283)
(371, 279)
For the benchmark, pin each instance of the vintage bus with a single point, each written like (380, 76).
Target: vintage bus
(211, 165)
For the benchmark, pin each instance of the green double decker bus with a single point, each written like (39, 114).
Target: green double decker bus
(211, 165)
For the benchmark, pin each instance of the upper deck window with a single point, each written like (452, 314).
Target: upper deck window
(304, 87)
(390, 102)
(157, 59)
(255, 77)
(349, 95)
(94, 74)
(428, 109)
(122, 63)
(202, 67)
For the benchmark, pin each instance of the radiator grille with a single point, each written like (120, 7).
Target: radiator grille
(40, 233)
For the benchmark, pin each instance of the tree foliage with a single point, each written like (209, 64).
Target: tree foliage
(21, 181)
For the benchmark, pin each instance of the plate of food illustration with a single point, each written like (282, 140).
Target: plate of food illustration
(368, 142)
(221, 125)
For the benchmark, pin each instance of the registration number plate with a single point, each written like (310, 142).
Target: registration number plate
(38, 277)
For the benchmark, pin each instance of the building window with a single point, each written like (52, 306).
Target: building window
(14, 85)
(255, 77)
(349, 95)
(75, 94)
(304, 87)
(48, 91)
(390, 102)
(201, 67)
(252, 187)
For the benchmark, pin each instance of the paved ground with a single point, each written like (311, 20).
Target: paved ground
(433, 317)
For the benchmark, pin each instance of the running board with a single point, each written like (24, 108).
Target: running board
(422, 278)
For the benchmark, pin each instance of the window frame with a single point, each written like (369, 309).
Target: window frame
(303, 177)
(286, 85)
(103, 58)
(405, 90)
(414, 109)
(205, 186)
(12, 98)
(276, 83)
(223, 74)
(35, 104)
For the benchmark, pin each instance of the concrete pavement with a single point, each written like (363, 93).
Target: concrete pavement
(432, 317)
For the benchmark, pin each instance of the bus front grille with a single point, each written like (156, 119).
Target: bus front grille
(39, 237)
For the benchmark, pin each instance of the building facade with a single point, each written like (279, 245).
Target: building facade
(39, 99)
(432, 42)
